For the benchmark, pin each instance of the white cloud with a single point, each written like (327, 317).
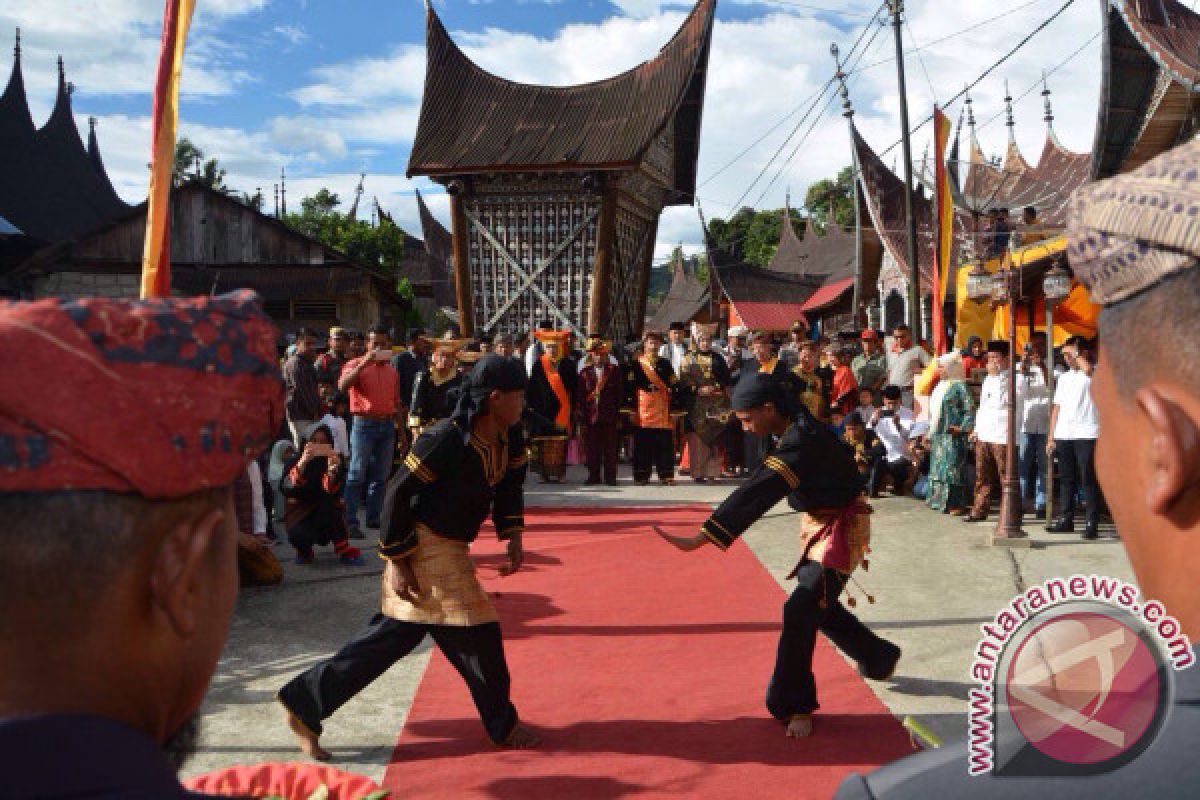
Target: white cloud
(365, 109)
(760, 69)
(292, 34)
(112, 46)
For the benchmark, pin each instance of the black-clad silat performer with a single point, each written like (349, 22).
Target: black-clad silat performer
(457, 473)
(817, 474)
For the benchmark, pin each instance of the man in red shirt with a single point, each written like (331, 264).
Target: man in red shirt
(374, 388)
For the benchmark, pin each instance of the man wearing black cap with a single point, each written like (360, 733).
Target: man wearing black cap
(457, 473)
(991, 431)
(818, 476)
(676, 346)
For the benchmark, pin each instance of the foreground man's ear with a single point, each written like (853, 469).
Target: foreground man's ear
(1174, 448)
(181, 573)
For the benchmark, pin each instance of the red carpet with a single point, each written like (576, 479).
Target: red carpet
(644, 670)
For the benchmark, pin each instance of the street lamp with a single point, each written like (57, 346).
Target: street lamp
(1056, 285)
(1004, 289)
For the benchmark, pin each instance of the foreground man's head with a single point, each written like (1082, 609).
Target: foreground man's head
(1134, 243)
(122, 428)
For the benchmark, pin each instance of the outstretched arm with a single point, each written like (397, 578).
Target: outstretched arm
(769, 484)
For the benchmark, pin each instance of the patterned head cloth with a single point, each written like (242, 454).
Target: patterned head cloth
(1127, 233)
(162, 398)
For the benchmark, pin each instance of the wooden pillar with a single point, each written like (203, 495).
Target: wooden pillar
(462, 269)
(644, 277)
(600, 302)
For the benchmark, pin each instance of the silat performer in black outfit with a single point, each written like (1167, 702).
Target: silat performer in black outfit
(458, 471)
(817, 474)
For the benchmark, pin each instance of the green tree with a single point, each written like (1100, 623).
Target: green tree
(324, 202)
(190, 161)
(752, 235)
(836, 195)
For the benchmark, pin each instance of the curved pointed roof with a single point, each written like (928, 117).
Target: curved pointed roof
(473, 121)
(686, 298)
(790, 254)
(51, 186)
(439, 247)
(16, 123)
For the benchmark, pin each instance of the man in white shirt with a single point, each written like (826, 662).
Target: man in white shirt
(905, 362)
(991, 432)
(1074, 428)
(893, 425)
(676, 347)
(1035, 401)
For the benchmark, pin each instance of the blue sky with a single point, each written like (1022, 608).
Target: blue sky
(329, 89)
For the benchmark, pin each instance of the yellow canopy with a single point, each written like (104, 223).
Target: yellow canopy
(1075, 316)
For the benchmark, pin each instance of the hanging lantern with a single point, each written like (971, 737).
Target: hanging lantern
(979, 284)
(1056, 285)
(999, 287)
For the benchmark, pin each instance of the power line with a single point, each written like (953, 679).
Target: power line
(955, 34)
(1024, 41)
(811, 108)
(920, 58)
(1038, 82)
(832, 97)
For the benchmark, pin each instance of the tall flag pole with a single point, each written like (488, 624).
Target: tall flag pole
(156, 256)
(945, 228)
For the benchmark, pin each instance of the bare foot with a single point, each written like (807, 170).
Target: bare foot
(521, 738)
(308, 741)
(799, 726)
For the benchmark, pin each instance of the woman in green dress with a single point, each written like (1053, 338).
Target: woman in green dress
(952, 418)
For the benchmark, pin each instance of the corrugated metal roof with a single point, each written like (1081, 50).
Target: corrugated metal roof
(769, 316)
(1151, 58)
(828, 294)
(1014, 185)
(473, 121)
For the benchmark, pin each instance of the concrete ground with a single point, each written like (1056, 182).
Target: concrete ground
(933, 578)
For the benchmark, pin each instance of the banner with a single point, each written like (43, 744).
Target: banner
(943, 241)
(156, 255)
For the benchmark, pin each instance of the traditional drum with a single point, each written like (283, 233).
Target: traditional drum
(553, 461)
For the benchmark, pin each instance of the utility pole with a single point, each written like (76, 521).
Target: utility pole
(896, 7)
(858, 312)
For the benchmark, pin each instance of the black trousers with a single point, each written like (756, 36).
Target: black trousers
(898, 471)
(1077, 465)
(600, 441)
(793, 689)
(653, 447)
(477, 652)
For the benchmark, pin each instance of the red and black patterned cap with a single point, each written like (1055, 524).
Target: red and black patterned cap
(162, 397)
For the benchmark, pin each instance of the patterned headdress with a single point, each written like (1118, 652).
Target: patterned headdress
(1127, 233)
(162, 398)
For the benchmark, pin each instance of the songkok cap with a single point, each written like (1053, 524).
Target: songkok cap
(998, 346)
(757, 389)
(180, 394)
(869, 334)
(677, 326)
(1127, 233)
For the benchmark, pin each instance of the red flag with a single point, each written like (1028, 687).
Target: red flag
(943, 241)
(156, 254)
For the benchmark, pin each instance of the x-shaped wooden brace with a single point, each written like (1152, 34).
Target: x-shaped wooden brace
(529, 278)
(628, 276)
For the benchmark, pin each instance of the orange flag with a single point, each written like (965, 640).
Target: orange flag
(156, 255)
(945, 228)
